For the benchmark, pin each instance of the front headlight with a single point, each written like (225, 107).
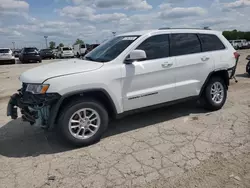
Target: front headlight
(37, 88)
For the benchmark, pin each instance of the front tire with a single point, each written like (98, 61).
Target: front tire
(82, 123)
(215, 94)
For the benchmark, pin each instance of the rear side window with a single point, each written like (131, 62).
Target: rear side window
(184, 43)
(210, 43)
(156, 46)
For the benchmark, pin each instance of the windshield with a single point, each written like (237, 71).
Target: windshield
(46, 50)
(4, 51)
(110, 49)
(30, 50)
(66, 48)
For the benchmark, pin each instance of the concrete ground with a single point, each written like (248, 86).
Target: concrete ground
(180, 146)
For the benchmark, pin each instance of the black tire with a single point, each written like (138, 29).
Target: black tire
(70, 109)
(248, 68)
(209, 103)
(13, 61)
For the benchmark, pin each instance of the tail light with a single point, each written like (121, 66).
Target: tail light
(236, 55)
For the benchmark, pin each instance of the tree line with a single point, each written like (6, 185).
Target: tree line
(52, 44)
(234, 35)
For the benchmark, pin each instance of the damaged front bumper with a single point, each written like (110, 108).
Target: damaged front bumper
(35, 108)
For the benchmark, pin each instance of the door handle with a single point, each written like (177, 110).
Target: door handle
(205, 58)
(166, 65)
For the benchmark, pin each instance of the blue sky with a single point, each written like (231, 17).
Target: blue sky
(26, 21)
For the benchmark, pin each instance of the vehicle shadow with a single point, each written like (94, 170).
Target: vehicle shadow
(151, 117)
(244, 75)
(19, 139)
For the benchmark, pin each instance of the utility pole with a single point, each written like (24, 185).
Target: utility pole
(46, 37)
(13, 45)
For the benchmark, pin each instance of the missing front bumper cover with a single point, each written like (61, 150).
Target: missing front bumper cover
(34, 108)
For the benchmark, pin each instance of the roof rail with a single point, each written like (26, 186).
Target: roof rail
(165, 28)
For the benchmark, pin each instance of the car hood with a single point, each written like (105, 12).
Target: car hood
(57, 69)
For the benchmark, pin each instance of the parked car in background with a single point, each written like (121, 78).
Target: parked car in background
(6, 56)
(79, 49)
(239, 44)
(65, 52)
(47, 54)
(16, 53)
(30, 54)
(55, 52)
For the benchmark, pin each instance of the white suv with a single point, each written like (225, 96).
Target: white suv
(6, 55)
(129, 72)
(65, 52)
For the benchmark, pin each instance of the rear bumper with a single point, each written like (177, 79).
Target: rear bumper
(31, 58)
(35, 109)
(68, 55)
(7, 58)
(231, 71)
(48, 56)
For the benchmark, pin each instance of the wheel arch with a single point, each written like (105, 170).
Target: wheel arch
(100, 95)
(219, 73)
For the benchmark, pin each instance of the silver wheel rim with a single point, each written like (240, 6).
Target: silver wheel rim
(217, 92)
(84, 123)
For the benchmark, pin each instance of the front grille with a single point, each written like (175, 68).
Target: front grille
(24, 87)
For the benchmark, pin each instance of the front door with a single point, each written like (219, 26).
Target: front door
(151, 81)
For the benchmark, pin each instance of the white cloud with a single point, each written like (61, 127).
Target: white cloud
(77, 12)
(119, 4)
(13, 6)
(107, 17)
(180, 12)
(237, 4)
(8, 32)
(165, 6)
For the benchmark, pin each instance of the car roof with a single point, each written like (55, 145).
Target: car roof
(4, 48)
(171, 30)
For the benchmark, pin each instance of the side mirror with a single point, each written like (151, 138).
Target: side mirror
(135, 55)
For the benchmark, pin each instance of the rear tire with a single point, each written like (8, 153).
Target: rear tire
(248, 68)
(13, 61)
(76, 116)
(215, 94)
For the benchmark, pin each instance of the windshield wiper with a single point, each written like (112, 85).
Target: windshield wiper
(89, 58)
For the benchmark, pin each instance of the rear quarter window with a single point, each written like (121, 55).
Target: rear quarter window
(210, 42)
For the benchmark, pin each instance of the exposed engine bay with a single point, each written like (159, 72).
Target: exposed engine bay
(35, 108)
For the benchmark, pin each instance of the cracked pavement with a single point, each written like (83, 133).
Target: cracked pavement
(178, 146)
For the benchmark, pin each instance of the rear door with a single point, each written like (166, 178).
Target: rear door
(211, 43)
(192, 65)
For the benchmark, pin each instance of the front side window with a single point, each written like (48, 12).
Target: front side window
(184, 43)
(156, 46)
(210, 43)
(111, 49)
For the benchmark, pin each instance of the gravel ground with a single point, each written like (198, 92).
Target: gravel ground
(180, 146)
